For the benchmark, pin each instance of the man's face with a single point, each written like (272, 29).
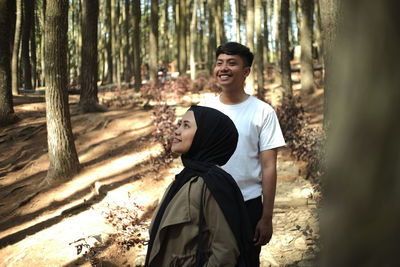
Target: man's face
(230, 70)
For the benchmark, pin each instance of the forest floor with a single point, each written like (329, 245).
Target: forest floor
(100, 217)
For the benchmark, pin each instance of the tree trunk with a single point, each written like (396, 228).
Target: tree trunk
(165, 37)
(16, 48)
(153, 42)
(360, 222)
(33, 45)
(88, 99)
(219, 21)
(193, 40)
(237, 20)
(285, 53)
(250, 83)
(42, 42)
(182, 36)
(63, 158)
(109, 30)
(114, 42)
(26, 33)
(330, 10)
(277, 24)
(6, 101)
(306, 39)
(260, 52)
(127, 45)
(212, 41)
(136, 44)
(266, 34)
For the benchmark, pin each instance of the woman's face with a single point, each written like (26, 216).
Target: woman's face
(183, 136)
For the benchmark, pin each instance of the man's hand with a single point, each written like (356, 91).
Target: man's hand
(263, 232)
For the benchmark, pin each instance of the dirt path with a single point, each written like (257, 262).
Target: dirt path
(71, 224)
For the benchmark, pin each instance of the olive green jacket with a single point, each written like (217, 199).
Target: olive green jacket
(176, 240)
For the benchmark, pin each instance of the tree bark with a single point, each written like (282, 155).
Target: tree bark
(109, 30)
(237, 21)
(266, 34)
(285, 53)
(360, 222)
(250, 80)
(306, 40)
(193, 40)
(136, 45)
(26, 33)
(153, 42)
(260, 49)
(6, 101)
(33, 45)
(63, 158)
(16, 48)
(127, 45)
(88, 98)
(330, 19)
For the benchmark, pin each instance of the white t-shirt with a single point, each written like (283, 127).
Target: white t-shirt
(259, 130)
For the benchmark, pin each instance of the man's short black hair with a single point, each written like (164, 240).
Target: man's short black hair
(233, 48)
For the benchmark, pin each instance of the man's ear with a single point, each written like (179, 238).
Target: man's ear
(246, 71)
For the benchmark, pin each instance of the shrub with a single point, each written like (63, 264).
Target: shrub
(164, 120)
(306, 143)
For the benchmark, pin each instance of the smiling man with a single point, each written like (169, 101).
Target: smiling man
(253, 165)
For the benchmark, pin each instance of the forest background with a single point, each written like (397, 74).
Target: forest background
(158, 49)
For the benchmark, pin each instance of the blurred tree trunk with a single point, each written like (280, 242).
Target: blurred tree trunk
(182, 66)
(219, 21)
(260, 52)
(26, 37)
(266, 33)
(165, 34)
(330, 19)
(317, 30)
(250, 80)
(88, 99)
(238, 3)
(285, 53)
(361, 219)
(306, 40)
(136, 44)
(63, 158)
(33, 44)
(109, 30)
(127, 45)
(153, 42)
(6, 101)
(294, 29)
(276, 25)
(193, 40)
(114, 41)
(212, 40)
(16, 48)
(42, 42)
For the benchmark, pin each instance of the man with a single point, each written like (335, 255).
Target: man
(253, 165)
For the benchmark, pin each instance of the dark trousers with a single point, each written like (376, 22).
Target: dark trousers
(254, 209)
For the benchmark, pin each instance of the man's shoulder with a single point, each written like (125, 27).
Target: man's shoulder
(260, 105)
(209, 101)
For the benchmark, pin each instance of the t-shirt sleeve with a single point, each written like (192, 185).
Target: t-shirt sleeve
(271, 134)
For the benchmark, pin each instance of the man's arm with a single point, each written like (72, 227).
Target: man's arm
(263, 232)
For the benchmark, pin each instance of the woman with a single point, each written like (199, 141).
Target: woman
(201, 220)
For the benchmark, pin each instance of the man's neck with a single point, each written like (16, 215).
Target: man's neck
(233, 98)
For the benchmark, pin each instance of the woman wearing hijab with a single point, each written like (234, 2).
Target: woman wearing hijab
(201, 220)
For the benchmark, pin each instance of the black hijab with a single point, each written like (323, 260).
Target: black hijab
(213, 144)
